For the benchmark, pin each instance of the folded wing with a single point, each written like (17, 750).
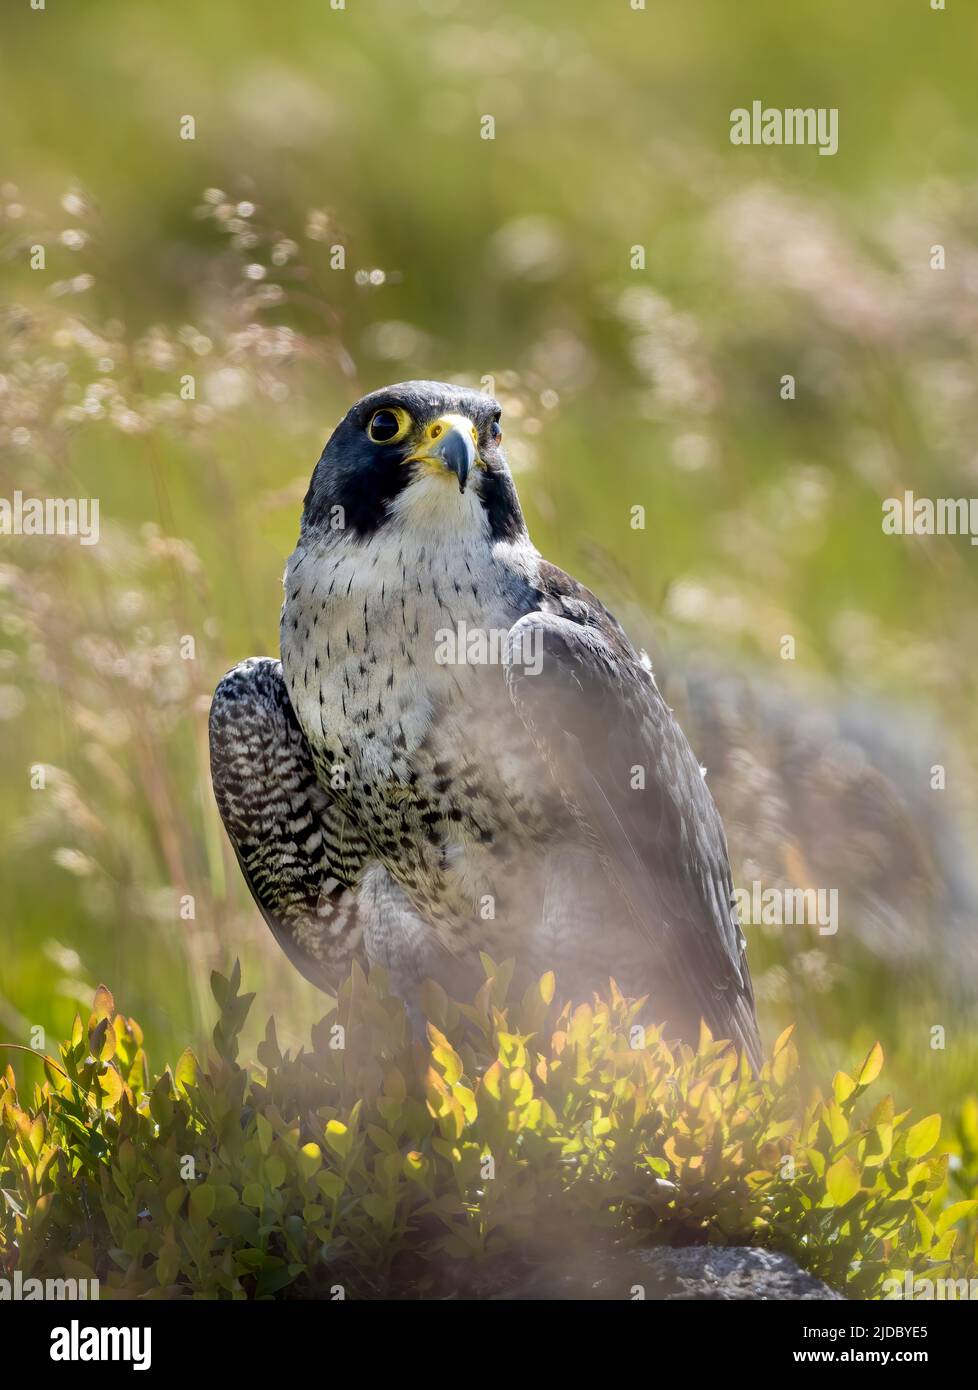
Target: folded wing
(627, 772)
(298, 851)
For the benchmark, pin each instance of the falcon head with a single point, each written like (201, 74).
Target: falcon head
(423, 455)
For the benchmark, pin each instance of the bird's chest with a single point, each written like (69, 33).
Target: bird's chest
(395, 669)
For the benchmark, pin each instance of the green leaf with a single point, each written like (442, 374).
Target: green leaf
(108, 1088)
(309, 1159)
(202, 1200)
(842, 1086)
(185, 1073)
(274, 1170)
(330, 1184)
(842, 1181)
(265, 1132)
(174, 1200)
(872, 1066)
(379, 1207)
(922, 1136)
(103, 1005)
(338, 1138)
(957, 1211)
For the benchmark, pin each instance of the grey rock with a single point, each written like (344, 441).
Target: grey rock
(661, 1272)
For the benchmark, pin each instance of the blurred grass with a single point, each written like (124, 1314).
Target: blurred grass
(510, 258)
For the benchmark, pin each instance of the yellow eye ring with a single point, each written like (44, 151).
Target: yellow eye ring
(388, 425)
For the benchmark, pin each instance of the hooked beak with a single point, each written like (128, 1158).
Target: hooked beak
(450, 445)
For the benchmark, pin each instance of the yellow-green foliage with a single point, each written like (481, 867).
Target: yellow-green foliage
(370, 1164)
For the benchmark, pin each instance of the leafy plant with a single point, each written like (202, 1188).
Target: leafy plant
(371, 1165)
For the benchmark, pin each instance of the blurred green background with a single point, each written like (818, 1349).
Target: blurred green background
(660, 386)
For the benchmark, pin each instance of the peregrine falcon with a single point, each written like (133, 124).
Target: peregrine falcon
(461, 751)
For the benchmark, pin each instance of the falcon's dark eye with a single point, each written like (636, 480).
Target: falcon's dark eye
(387, 425)
(495, 432)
